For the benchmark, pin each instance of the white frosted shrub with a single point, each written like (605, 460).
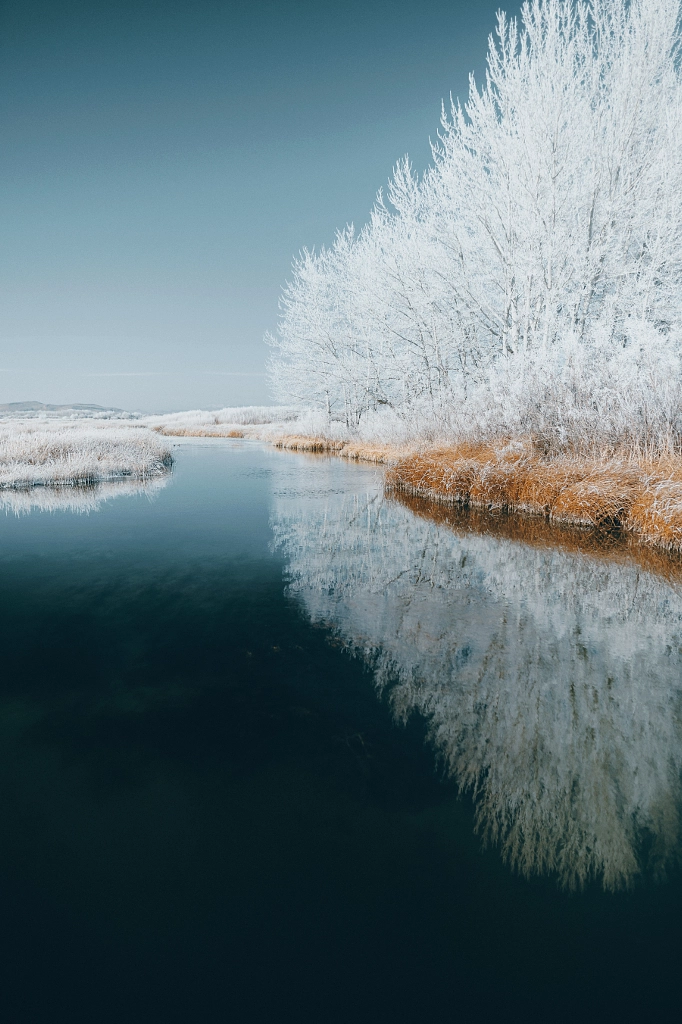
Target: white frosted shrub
(237, 416)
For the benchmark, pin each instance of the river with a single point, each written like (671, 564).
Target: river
(276, 744)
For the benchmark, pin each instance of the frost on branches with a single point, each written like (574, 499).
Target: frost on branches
(530, 281)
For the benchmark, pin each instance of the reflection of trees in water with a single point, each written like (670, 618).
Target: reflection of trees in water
(551, 678)
(81, 499)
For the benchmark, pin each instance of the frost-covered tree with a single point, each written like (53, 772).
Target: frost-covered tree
(557, 190)
(536, 268)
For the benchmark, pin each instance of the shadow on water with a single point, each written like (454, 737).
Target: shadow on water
(208, 814)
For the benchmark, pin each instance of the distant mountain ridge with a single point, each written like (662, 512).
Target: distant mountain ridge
(42, 407)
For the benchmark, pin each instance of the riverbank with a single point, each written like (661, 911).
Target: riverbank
(639, 496)
(356, 451)
(636, 495)
(610, 490)
(290, 428)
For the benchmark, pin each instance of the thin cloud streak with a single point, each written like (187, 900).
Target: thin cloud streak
(177, 373)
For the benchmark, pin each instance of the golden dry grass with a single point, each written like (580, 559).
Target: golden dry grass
(538, 491)
(656, 514)
(358, 451)
(603, 498)
(642, 497)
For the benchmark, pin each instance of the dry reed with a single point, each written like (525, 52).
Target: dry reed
(642, 497)
(358, 451)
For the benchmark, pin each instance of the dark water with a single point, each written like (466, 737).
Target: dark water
(274, 747)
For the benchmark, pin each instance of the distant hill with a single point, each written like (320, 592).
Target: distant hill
(41, 407)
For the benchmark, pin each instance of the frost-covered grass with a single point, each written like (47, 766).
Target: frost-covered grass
(227, 422)
(382, 437)
(72, 454)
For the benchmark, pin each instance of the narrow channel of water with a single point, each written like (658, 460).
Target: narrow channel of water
(274, 744)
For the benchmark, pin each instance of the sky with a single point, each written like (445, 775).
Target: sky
(163, 162)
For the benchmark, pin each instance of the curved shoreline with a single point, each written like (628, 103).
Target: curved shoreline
(640, 497)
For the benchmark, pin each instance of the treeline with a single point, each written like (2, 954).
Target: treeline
(531, 280)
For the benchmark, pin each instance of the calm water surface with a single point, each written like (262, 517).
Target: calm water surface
(276, 747)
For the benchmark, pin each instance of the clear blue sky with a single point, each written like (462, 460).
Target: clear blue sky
(162, 162)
